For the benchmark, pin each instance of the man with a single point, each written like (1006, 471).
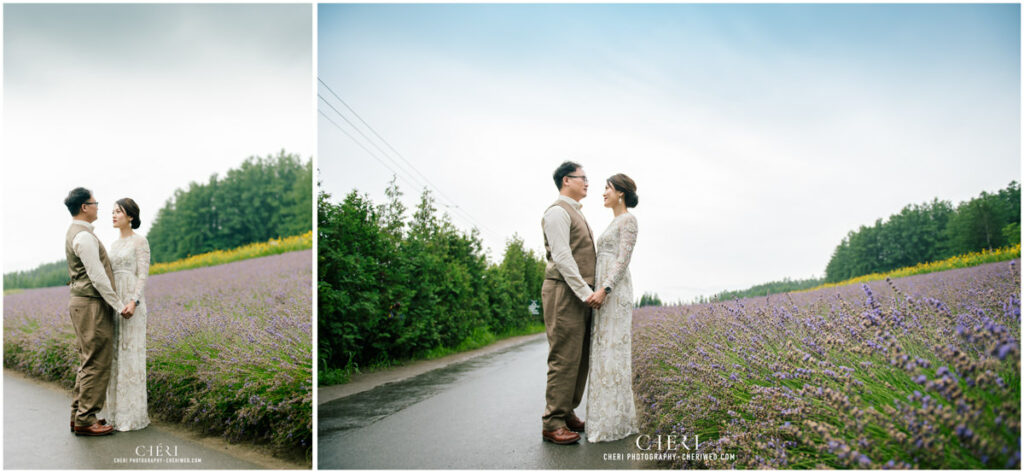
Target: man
(92, 307)
(567, 297)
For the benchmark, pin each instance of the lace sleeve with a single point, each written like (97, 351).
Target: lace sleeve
(627, 239)
(141, 265)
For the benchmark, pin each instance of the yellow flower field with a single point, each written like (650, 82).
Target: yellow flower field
(253, 250)
(959, 261)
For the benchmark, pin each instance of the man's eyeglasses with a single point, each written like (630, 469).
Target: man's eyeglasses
(91, 203)
(581, 177)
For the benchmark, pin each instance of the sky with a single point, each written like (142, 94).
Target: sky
(139, 100)
(758, 135)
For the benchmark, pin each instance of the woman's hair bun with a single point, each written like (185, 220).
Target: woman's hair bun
(625, 184)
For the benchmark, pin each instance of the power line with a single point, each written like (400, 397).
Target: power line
(365, 148)
(381, 138)
(453, 207)
(392, 148)
(367, 138)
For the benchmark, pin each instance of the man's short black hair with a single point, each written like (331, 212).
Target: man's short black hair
(563, 170)
(76, 198)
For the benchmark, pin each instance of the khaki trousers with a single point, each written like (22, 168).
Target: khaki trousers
(94, 325)
(567, 322)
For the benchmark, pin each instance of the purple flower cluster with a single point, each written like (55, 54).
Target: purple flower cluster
(229, 347)
(918, 372)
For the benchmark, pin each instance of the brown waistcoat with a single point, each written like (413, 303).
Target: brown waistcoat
(581, 242)
(81, 285)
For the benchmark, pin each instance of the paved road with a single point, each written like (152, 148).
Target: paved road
(482, 414)
(36, 436)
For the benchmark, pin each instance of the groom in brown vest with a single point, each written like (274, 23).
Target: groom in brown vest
(92, 307)
(567, 297)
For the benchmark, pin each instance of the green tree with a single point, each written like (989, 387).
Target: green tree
(929, 232)
(264, 198)
(649, 299)
(352, 257)
(1011, 232)
(774, 287)
(44, 275)
(393, 287)
(978, 224)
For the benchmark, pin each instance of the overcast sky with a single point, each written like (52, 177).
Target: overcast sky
(138, 100)
(758, 135)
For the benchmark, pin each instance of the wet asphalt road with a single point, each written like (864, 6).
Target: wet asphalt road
(479, 414)
(37, 436)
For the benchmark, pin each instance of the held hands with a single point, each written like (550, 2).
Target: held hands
(596, 299)
(129, 310)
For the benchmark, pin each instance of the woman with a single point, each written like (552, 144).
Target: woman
(611, 414)
(126, 406)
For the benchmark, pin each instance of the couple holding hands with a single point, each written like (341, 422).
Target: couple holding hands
(108, 311)
(587, 298)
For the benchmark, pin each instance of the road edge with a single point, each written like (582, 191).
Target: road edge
(367, 381)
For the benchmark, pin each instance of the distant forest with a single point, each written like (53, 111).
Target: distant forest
(44, 275)
(774, 287)
(929, 232)
(264, 198)
(920, 233)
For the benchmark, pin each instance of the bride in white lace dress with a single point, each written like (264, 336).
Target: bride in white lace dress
(126, 406)
(611, 412)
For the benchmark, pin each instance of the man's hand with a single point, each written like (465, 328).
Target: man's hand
(596, 299)
(129, 310)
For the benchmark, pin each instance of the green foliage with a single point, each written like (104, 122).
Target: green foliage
(262, 199)
(774, 287)
(1011, 232)
(649, 298)
(979, 223)
(929, 232)
(394, 288)
(45, 275)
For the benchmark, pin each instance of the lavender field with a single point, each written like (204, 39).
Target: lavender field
(229, 347)
(917, 372)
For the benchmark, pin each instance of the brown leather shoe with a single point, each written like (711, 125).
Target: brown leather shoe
(94, 430)
(560, 436)
(574, 424)
(100, 421)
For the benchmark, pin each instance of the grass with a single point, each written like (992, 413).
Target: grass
(481, 337)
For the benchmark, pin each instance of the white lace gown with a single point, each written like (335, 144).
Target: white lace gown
(611, 412)
(126, 406)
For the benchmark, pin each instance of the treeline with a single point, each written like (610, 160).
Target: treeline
(392, 287)
(44, 275)
(264, 198)
(929, 232)
(648, 298)
(774, 287)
